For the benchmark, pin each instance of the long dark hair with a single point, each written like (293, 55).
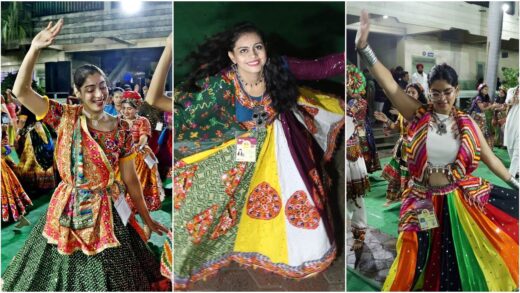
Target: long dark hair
(485, 98)
(420, 90)
(211, 57)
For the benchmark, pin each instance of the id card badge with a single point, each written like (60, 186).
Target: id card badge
(159, 126)
(426, 215)
(123, 209)
(150, 161)
(246, 149)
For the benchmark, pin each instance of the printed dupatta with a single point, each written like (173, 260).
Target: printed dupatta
(80, 212)
(475, 190)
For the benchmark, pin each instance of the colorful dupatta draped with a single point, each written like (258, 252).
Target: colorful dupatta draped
(80, 212)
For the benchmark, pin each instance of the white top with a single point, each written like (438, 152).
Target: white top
(511, 132)
(442, 149)
(422, 79)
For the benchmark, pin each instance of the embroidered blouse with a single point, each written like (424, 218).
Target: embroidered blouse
(79, 216)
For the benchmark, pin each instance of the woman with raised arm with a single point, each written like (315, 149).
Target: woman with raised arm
(396, 171)
(249, 143)
(83, 242)
(155, 95)
(457, 231)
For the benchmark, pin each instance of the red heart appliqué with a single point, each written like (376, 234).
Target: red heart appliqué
(300, 212)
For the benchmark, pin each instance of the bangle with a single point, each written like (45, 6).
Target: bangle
(368, 55)
(513, 182)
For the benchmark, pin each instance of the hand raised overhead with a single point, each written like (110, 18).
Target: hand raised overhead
(364, 29)
(46, 37)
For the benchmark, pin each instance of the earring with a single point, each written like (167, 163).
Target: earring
(234, 67)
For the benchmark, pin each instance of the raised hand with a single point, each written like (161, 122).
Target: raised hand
(46, 37)
(364, 29)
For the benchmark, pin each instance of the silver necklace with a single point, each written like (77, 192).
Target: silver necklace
(257, 82)
(441, 125)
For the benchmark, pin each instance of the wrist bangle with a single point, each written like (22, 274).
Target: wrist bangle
(513, 182)
(368, 55)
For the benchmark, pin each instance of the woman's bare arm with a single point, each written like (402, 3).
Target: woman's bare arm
(22, 86)
(155, 95)
(405, 104)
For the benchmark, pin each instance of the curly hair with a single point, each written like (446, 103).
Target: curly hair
(211, 57)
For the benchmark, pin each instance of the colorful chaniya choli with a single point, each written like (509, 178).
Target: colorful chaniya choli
(146, 166)
(483, 120)
(365, 135)
(475, 246)
(85, 245)
(357, 175)
(396, 171)
(36, 167)
(14, 198)
(271, 213)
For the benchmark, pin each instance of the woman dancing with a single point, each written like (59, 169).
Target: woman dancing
(396, 171)
(457, 232)
(82, 243)
(248, 186)
(481, 111)
(145, 161)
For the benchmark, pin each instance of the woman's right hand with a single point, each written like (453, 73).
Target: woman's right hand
(380, 116)
(46, 37)
(364, 29)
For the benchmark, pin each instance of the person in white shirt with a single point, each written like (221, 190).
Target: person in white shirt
(420, 77)
(511, 130)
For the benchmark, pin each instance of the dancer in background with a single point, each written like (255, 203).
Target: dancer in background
(36, 148)
(482, 112)
(145, 160)
(357, 176)
(511, 130)
(499, 116)
(396, 171)
(14, 198)
(457, 232)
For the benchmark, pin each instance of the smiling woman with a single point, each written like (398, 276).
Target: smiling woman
(249, 145)
(85, 245)
(457, 232)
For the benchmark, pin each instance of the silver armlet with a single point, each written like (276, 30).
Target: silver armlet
(367, 55)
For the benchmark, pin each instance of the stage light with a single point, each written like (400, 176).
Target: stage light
(131, 6)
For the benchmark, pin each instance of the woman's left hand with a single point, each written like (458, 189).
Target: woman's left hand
(156, 227)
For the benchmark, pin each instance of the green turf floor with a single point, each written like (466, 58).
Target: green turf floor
(385, 219)
(13, 239)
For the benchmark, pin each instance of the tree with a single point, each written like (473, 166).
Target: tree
(16, 24)
(510, 77)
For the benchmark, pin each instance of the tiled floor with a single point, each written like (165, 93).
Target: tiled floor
(375, 258)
